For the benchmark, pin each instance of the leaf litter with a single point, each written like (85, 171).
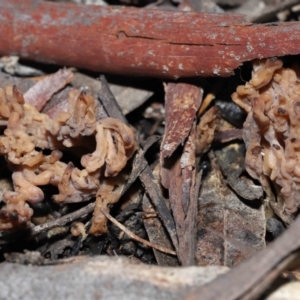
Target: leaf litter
(191, 214)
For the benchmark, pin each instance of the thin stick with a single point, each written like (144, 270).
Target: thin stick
(135, 237)
(170, 49)
(38, 229)
(78, 214)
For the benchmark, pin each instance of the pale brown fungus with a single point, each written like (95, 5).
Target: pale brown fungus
(271, 130)
(29, 132)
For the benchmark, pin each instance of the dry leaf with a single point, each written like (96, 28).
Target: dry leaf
(231, 160)
(229, 231)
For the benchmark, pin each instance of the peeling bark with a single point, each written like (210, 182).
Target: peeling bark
(178, 172)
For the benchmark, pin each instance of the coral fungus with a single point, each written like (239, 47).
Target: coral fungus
(271, 131)
(107, 144)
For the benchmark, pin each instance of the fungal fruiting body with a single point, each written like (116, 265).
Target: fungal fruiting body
(271, 131)
(107, 145)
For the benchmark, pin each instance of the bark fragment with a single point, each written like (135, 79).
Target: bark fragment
(43, 90)
(178, 164)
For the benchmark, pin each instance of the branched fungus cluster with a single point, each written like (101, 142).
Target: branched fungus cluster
(272, 129)
(106, 144)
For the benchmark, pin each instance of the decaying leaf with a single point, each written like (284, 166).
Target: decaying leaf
(231, 160)
(229, 231)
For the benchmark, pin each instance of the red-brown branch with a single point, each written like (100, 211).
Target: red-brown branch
(137, 41)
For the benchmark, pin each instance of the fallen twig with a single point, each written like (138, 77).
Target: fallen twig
(40, 229)
(138, 41)
(76, 215)
(135, 237)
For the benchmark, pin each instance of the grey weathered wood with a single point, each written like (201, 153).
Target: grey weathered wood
(101, 277)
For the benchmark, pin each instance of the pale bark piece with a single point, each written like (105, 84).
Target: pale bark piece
(11, 65)
(60, 101)
(140, 42)
(43, 90)
(101, 277)
(128, 98)
(289, 291)
(22, 83)
(229, 231)
(182, 102)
